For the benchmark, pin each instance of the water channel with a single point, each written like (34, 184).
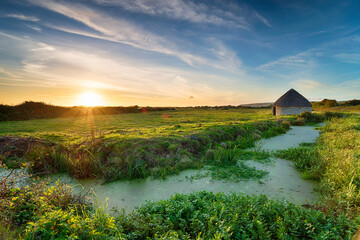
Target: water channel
(282, 182)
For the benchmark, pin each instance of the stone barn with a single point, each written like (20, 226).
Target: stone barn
(291, 103)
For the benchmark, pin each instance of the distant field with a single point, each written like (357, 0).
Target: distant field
(132, 125)
(344, 109)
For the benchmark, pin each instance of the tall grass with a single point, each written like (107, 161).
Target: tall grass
(134, 158)
(334, 160)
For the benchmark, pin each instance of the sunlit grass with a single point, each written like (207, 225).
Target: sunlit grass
(133, 125)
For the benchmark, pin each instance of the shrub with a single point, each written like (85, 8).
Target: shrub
(312, 117)
(353, 102)
(19, 205)
(331, 115)
(298, 122)
(329, 102)
(205, 215)
(60, 224)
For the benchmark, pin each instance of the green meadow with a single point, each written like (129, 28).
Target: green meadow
(180, 122)
(139, 145)
(159, 144)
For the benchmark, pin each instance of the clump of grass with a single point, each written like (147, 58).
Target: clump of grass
(224, 157)
(227, 164)
(305, 160)
(240, 172)
(46, 160)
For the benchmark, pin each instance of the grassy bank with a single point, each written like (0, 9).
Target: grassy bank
(333, 161)
(132, 158)
(137, 145)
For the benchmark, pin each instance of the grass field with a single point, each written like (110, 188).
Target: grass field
(134, 125)
(132, 146)
(139, 145)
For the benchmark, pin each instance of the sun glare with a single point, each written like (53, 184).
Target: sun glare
(90, 99)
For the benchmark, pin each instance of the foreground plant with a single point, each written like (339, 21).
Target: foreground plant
(40, 211)
(205, 215)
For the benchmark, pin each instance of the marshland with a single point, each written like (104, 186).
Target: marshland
(182, 173)
(179, 119)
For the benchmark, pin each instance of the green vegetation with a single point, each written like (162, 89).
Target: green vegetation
(166, 145)
(54, 213)
(206, 215)
(140, 158)
(183, 122)
(332, 105)
(227, 164)
(39, 211)
(334, 161)
(158, 144)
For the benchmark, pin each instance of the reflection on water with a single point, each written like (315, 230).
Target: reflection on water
(283, 180)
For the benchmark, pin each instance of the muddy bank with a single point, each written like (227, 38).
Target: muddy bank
(13, 146)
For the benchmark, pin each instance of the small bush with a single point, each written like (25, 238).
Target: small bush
(19, 205)
(312, 117)
(298, 122)
(60, 224)
(331, 115)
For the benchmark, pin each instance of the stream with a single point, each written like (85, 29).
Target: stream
(282, 182)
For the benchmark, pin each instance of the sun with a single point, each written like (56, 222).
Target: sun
(89, 99)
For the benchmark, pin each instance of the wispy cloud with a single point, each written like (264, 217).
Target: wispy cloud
(58, 66)
(23, 17)
(303, 59)
(348, 57)
(10, 36)
(182, 10)
(35, 28)
(306, 84)
(227, 56)
(122, 31)
(262, 19)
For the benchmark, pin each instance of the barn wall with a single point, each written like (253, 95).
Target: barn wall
(291, 110)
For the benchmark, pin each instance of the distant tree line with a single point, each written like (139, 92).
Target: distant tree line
(227, 107)
(38, 110)
(333, 103)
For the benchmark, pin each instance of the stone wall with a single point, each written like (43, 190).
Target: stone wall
(291, 110)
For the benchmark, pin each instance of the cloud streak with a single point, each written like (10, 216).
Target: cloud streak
(23, 17)
(190, 11)
(122, 31)
(306, 84)
(348, 57)
(299, 61)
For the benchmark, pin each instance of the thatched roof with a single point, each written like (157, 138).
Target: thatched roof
(292, 99)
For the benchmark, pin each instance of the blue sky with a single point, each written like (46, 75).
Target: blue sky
(178, 52)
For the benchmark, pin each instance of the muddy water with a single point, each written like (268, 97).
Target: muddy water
(283, 180)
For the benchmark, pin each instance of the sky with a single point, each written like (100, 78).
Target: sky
(178, 52)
